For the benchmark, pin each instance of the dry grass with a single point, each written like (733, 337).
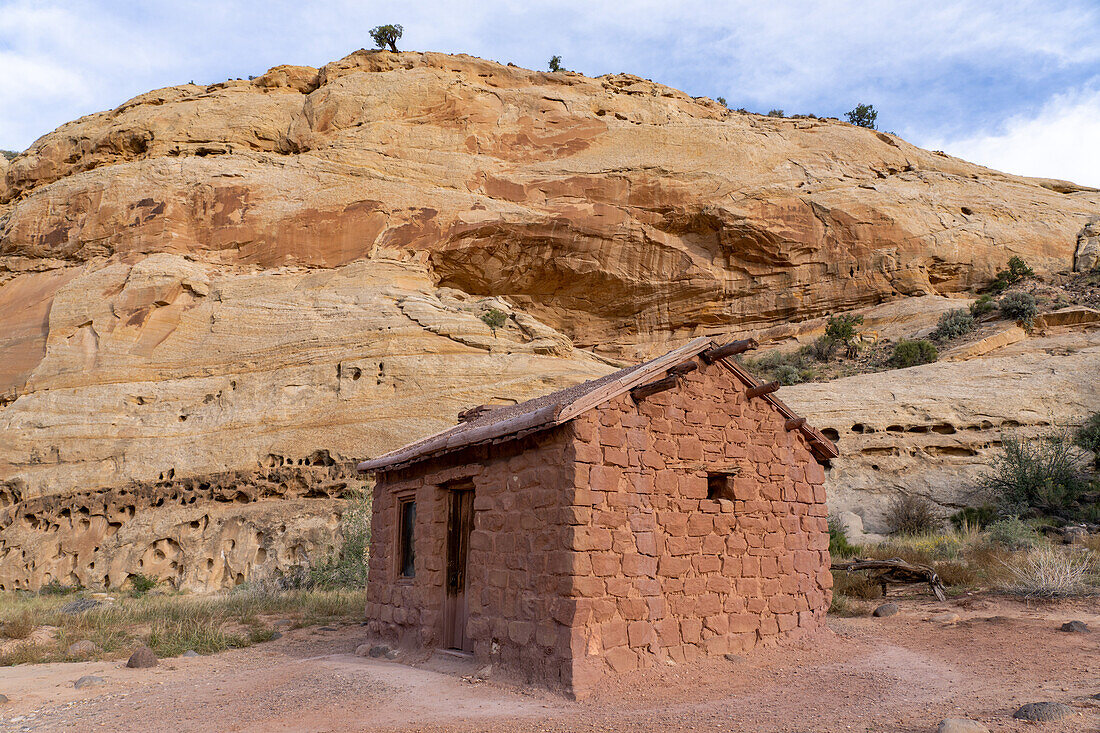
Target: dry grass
(1047, 572)
(170, 624)
(19, 625)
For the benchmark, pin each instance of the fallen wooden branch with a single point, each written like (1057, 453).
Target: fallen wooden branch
(895, 570)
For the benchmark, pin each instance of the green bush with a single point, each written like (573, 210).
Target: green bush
(843, 327)
(9, 154)
(787, 368)
(775, 113)
(721, 101)
(864, 115)
(1012, 534)
(142, 584)
(347, 567)
(982, 305)
(494, 318)
(839, 546)
(974, 516)
(1088, 437)
(1017, 271)
(954, 323)
(912, 515)
(1038, 476)
(387, 35)
(1019, 307)
(912, 353)
(555, 63)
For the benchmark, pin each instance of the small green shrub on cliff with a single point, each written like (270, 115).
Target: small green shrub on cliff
(494, 318)
(982, 305)
(953, 324)
(775, 113)
(912, 353)
(1019, 307)
(787, 368)
(823, 348)
(1017, 271)
(9, 154)
(842, 328)
(555, 63)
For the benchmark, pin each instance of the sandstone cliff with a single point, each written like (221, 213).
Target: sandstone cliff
(217, 281)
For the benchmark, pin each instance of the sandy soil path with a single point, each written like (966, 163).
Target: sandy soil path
(903, 673)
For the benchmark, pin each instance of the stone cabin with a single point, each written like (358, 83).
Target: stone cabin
(669, 511)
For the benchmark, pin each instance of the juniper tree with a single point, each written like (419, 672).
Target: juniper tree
(387, 35)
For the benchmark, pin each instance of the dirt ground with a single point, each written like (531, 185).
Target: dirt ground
(902, 673)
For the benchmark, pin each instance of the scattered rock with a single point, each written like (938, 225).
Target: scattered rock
(276, 635)
(378, 650)
(1041, 712)
(945, 618)
(283, 622)
(190, 653)
(142, 657)
(4, 700)
(961, 725)
(363, 650)
(80, 605)
(1075, 535)
(89, 680)
(886, 609)
(393, 654)
(1076, 627)
(734, 657)
(82, 648)
(326, 628)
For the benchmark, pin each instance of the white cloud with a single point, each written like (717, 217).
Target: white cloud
(1061, 141)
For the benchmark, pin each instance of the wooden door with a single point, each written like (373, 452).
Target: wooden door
(460, 520)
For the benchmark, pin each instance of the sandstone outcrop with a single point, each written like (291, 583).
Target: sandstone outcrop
(931, 430)
(212, 281)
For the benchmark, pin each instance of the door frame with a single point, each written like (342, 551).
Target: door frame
(459, 505)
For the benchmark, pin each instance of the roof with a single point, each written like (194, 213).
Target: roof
(513, 421)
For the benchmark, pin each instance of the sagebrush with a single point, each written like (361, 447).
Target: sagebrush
(953, 324)
(913, 353)
(1037, 476)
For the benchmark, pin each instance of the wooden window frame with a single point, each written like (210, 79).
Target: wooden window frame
(399, 562)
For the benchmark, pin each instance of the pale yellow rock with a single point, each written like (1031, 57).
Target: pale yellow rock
(997, 340)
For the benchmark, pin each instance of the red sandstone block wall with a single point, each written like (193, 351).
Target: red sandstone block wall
(663, 572)
(519, 570)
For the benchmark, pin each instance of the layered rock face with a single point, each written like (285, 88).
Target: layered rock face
(214, 279)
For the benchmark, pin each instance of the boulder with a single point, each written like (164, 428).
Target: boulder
(886, 609)
(1043, 712)
(1076, 627)
(142, 657)
(89, 680)
(961, 725)
(80, 605)
(947, 618)
(82, 648)
(190, 653)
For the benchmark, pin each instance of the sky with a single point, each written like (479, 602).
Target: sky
(1011, 85)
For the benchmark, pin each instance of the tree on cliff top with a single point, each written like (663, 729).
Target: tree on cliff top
(555, 63)
(863, 115)
(387, 35)
(9, 154)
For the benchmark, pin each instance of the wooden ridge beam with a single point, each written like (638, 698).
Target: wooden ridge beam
(762, 390)
(685, 367)
(640, 393)
(794, 423)
(734, 347)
